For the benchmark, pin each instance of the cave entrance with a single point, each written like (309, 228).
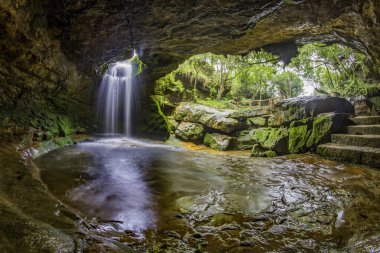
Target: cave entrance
(262, 79)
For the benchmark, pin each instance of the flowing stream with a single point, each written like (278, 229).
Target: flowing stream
(115, 99)
(154, 196)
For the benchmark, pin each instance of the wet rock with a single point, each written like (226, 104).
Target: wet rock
(299, 133)
(258, 121)
(259, 151)
(231, 226)
(375, 105)
(304, 107)
(223, 124)
(275, 139)
(247, 244)
(192, 112)
(189, 131)
(217, 141)
(250, 113)
(362, 106)
(207, 116)
(172, 234)
(324, 125)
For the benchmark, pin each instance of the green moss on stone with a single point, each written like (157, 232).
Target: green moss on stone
(322, 127)
(257, 121)
(217, 141)
(299, 133)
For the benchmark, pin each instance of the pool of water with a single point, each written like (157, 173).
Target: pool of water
(152, 196)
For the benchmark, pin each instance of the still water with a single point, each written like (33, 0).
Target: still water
(154, 196)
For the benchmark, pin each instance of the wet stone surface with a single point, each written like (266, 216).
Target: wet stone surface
(157, 198)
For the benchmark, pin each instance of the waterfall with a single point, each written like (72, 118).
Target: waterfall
(115, 99)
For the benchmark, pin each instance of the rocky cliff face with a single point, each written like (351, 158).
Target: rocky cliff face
(167, 32)
(36, 78)
(50, 48)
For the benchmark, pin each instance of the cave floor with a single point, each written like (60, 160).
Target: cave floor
(153, 197)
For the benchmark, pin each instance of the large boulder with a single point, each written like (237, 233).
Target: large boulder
(209, 117)
(189, 131)
(217, 141)
(298, 108)
(249, 113)
(259, 151)
(223, 124)
(258, 121)
(275, 139)
(192, 112)
(299, 133)
(324, 125)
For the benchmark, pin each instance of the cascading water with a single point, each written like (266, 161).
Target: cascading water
(115, 99)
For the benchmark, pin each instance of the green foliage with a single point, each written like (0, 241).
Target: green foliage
(334, 69)
(220, 104)
(168, 84)
(165, 122)
(288, 84)
(233, 81)
(135, 60)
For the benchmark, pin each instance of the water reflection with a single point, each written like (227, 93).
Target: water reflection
(127, 183)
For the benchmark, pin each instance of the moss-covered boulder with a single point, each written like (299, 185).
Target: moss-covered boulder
(244, 140)
(189, 131)
(217, 141)
(324, 125)
(259, 151)
(209, 117)
(226, 125)
(292, 109)
(299, 133)
(274, 139)
(192, 112)
(249, 113)
(257, 121)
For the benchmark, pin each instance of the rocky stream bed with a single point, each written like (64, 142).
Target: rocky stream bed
(122, 195)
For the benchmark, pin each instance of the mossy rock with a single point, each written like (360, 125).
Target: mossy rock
(190, 131)
(299, 133)
(275, 139)
(258, 151)
(324, 125)
(226, 125)
(257, 121)
(298, 108)
(217, 141)
(249, 113)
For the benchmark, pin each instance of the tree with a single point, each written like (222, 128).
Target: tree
(334, 69)
(288, 84)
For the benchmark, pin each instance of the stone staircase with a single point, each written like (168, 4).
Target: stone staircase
(360, 144)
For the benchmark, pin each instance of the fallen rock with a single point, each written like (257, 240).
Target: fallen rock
(192, 112)
(257, 121)
(324, 125)
(275, 139)
(223, 124)
(258, 151)
(209, 117)
(217, 141)
(299, 133)
(189, 131)
(249, 113)
(309, 106)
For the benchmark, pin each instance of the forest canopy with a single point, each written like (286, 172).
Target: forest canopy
(224, 80)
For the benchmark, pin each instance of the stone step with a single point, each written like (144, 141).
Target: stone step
(354, 154)
(357, 140)
(366, 120)
(363, 129)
